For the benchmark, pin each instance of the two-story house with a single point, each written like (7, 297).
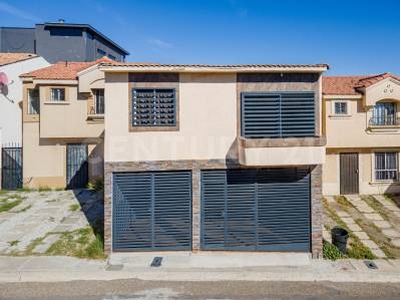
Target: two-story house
(63, 125)
(362, 127)
(11, 66)
(213, 157)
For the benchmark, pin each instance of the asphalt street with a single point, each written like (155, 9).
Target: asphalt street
(137, 289)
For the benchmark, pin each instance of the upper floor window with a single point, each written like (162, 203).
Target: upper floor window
(57, 94)
(110, 56)
(384, 113)
(101, 53)
(386, 167)
(278, 115)
(98, 107)
(153, 107)
(33, 102)
(341, 108)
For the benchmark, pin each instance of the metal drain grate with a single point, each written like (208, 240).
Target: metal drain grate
(156, 262)
(370, 264)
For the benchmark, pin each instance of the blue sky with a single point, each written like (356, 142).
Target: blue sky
(354, 37)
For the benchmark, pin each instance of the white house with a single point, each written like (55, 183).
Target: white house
(11, 66)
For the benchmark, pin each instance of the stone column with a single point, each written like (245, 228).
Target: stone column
(316, 211)
(107, 209)
(196, 208)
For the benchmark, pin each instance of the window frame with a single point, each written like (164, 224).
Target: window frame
(58, 88)
(381, 117)
(335, 114)
(282, 128)
(172, 127)
(95, 103)
(30, 107)
(385, 170)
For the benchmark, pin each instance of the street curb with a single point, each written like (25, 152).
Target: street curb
(200, 275)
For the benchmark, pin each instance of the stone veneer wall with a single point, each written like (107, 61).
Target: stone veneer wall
(196, 166)
(316, 211)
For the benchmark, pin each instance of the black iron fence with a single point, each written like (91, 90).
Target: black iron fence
(11, 167)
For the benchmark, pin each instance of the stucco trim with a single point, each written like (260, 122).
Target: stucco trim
(284, 142)
(341, 97)
(47, 95)
(27, 118)
(190, 69)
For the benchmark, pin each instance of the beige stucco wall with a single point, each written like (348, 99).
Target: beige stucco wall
(367, 184)
(66, 119)
(207, 120)
(89, 79)
(352, 131)
(388, 88)
(282, 156)
(44, 160)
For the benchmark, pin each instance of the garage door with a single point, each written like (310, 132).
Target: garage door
(152, 211)
(256, 210)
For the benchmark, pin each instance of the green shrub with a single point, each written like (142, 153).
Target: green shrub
(96, 185)
(331, 251)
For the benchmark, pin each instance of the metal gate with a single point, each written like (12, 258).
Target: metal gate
(349, 173)
(11, 175)
(152, 211)
(77, 166)
(256, 210)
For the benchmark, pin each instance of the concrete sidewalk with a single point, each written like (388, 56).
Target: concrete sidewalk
(55, 269)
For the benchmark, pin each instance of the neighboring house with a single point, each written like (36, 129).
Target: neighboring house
(11, 66)
(362, 126)
(61, 41)
(202, 157)
(63, 125)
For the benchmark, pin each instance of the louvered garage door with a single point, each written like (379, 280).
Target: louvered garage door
(256, 210)
(152, 211)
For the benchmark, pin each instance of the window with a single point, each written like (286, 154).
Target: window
(101, 53)
(33, 102)
(386, 166)
(110, 56)
(98, 108)
(278, 115)
(153, 107)
(57, 94)
(65, 31)
(341, 108)
(384, 113)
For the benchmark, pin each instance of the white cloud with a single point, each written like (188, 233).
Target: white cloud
(160, 44)
(16, 12)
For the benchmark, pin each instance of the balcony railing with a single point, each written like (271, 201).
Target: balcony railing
(384, 121)
(96, 110)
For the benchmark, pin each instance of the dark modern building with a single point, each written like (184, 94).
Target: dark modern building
(61, 41)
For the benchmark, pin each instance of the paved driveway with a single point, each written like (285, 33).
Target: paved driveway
(373, 219)
(40, 218)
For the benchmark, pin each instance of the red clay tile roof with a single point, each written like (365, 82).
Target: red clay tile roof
(144, 65)
(368, 81)
(64, 70)
(340, 85)
(10, 58)
(348, 85)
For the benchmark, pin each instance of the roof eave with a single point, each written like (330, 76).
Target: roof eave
(341, 96)
(180, 69)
